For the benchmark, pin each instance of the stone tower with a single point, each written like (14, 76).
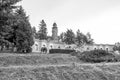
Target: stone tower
(55, 32)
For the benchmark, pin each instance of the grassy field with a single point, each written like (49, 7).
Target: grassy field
(35, 59)
(65, 67)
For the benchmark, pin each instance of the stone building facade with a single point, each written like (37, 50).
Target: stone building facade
(39, 44)
(60, 45)
(107, 47)
(54, 43)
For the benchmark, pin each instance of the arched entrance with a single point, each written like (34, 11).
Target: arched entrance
(44, 49)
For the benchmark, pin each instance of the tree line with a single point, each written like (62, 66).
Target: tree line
(68, 37)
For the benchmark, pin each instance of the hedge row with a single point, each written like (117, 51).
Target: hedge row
(96, 56)
(64, 51)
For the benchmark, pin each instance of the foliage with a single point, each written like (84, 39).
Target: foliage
(116, 47)
(96, 56)
(42, 33)
(15, 27)
(80, 39)
(83, 39)
(69, 37)
(34, 32)
(75, 53)
(61, 51)
(62, 37)
(7, 8)
(22, 32)
(89, 40)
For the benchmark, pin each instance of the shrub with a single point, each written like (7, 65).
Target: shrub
(96, 56)
(64, 51)
(75, 53)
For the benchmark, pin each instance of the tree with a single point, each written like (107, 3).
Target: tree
(15, 28)
(116, 47)
(62, 37)
(26, 30)
(42, 33)
(7, 8)
(79, 38)
(83, 39)
(34, 32)
(22, 32)
(89, 40)
(69, 37)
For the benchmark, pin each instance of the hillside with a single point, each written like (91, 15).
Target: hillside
(35, 59)
(65, 68)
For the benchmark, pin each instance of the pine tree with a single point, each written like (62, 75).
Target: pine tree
(42, 33)
(34, 32)
(7, 8)
(22, 32)
(15, 28)
(69, 37)
(79, 39)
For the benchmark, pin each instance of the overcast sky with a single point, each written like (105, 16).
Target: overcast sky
(99, 17)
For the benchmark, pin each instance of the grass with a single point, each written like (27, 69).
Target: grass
(54, 67)
(56, 73)
(35, 59)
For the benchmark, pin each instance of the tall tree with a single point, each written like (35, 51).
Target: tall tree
(22, 32)
(89, 40)
(42, 33)
(24, 38)
(34, 32)
(14, 26)
(82, 39)
(69, 37)
(7, 8)
(79, 38)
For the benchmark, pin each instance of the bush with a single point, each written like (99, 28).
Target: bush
(75, 53)
(29, 49)
(64, 51)
(96, 56)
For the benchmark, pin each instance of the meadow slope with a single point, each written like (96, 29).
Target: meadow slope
(69, 70)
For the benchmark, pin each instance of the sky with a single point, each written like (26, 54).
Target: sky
(99, 17)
